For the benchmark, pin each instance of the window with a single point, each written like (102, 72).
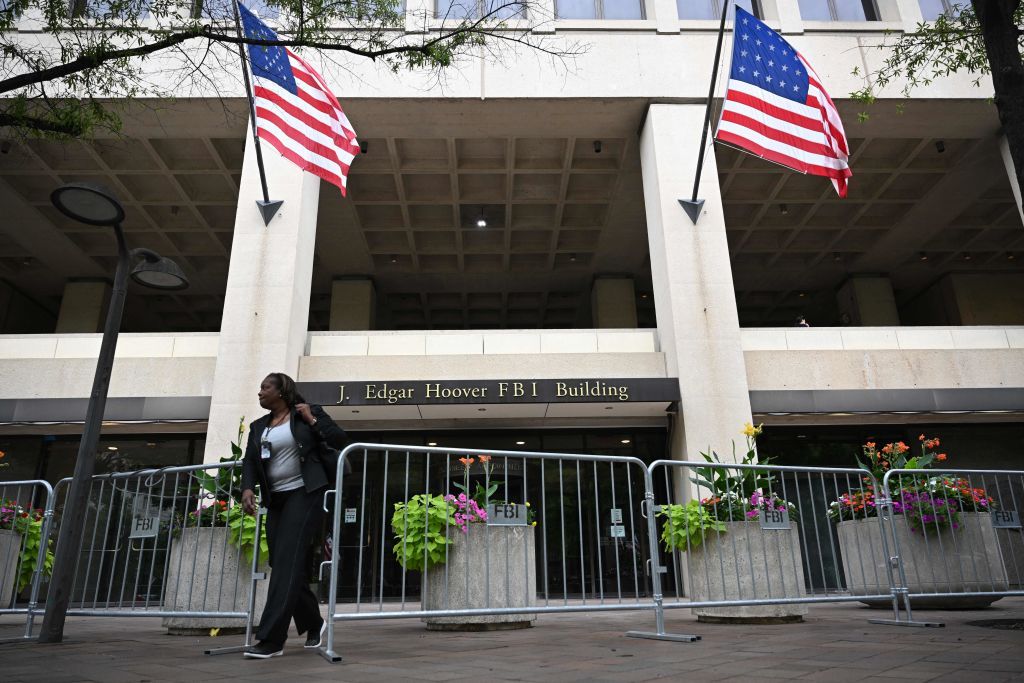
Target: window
(599, 9)
(712, 9)
(838, 10)
(474, 9)
(224, 9)
(931, 9)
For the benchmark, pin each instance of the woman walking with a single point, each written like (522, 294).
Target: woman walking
(287, 454)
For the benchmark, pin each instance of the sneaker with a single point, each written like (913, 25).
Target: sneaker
(264, 650)
(313, 642)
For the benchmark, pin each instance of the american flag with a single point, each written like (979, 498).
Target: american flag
(295, 109)
(775, 106)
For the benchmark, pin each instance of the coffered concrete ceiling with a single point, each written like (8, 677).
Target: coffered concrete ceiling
(559, 213)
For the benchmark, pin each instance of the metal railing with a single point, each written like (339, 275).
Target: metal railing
(26, 517)
(574, 536)
(554, 532)
(956, 535)
(162, 543)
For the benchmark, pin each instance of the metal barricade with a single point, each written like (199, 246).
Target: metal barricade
(563, 533)
(762, 542)
(26, 515)
(170, 543)
(956, 535)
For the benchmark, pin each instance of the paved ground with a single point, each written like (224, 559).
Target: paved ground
(835, 644)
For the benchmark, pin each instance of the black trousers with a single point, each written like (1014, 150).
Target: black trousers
(294, 518)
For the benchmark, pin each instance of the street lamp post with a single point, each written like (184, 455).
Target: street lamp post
(95, 206)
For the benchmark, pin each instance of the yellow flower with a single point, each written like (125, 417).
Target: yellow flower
(534, 524)
(527, 503)
(750, 430)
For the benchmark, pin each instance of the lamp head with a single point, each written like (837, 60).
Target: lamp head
(88, 204)
(158, 272)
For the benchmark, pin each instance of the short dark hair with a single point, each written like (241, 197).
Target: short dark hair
(286, 385)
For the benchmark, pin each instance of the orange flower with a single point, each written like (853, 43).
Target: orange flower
(940, 457)
(887, 448)
(936, 441)
(466, 461)
(921, 438)
(870, 444)
(484, 458)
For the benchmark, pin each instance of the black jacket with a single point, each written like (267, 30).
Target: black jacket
(313, 442)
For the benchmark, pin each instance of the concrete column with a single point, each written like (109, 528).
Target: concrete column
(1004, 152)
(613, 302)
(266, 305)
(695, 302)
(868, 301)
(665, 13)
(353, 305)
(790, 21)
(83, 307)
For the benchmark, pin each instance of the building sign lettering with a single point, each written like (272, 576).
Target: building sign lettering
(428, 392)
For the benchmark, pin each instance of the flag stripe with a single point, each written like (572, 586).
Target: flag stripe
(752, 144)
(271, 135)
(299, 120)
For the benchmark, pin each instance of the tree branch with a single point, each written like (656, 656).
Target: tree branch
(41, 124)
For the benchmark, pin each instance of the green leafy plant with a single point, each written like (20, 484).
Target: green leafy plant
(421, 527)
(723, 482)
(227, 482)
(242, 532)
(686, 526)
(28, 524)
(222, 502)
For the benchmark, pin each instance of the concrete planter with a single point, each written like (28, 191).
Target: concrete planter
(748, 562)
(488, 566)
(206, 573)
(10, 551)
(961, 560)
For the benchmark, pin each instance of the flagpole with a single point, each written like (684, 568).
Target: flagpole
(267, 207)
(692, 206)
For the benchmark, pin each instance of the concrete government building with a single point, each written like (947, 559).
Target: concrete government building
(589, 314)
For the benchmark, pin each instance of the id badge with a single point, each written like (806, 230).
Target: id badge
(265, 450)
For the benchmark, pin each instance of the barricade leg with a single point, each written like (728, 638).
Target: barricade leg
(897, 573)
(656, 572)
(327, 650)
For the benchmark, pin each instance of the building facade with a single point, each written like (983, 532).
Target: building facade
(512, 269)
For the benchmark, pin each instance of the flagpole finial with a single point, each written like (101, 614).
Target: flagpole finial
(692, 207)
(268, 209)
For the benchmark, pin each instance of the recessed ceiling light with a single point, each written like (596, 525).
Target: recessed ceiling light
(431, 443)
(624, 441)
(520, 443)
(111, 448)
(151, 444)
(922, 256)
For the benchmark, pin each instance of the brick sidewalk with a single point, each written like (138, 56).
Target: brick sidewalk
(834, 644)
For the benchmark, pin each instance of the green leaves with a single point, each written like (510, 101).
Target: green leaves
(722, 481)
(686, 526)
(242, 533)
(32, 535)
(422, 527)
